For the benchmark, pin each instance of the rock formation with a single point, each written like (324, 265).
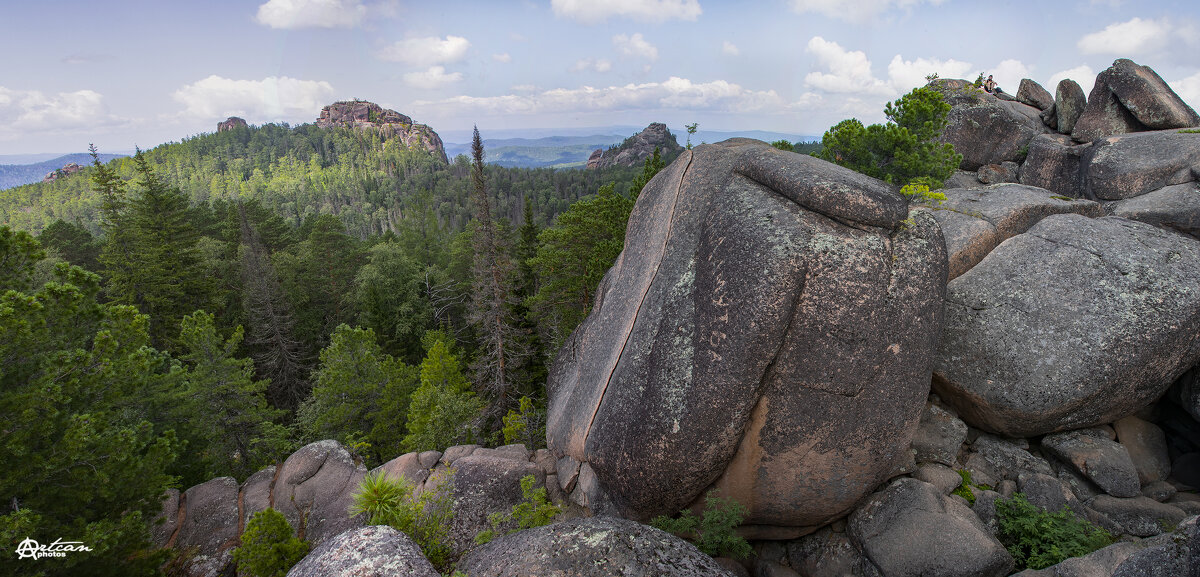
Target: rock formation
(363, 115)
(231, 123)
(1131, 98)
(985, 129)
(67, 170)
(767, 332)
(637, 148)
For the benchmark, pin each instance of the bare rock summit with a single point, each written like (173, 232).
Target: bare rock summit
(364, 115)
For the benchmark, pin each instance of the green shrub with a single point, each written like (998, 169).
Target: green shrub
(784, 145)
(1037, 539)
(525, 424)
(425, 518)
(534, 511)
(714, 532)
(269, 549)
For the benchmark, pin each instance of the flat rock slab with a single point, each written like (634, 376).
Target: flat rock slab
(768, 331)
(1173, 207)
(1076, 323)
(1130, 165)
(590, 547)
(1138, 516)
(976, 221)
(372, 551)
(909, 529)
(1104, 462)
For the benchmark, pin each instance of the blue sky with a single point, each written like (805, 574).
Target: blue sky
(125, 73)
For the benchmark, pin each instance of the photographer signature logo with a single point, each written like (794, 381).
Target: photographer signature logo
(59, 548)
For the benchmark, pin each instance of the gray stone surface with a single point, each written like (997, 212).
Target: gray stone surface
(1055, 163)
(1075, 323)
(1007, 171)
(1150, 100)
(1105, 463)
(372, 551)
(910, 529)
(1174, 207)
(1069, 102)
(945, 479)
(1139, 516)
(985, 129)
(1130, 165)
(1147, 448)
(210, 524)
(590, 547)
(1186, 392)
(826, 553)
(765, 332)
(1099, 563)
(939, 436)
(484, 485)
(1048, 492)
(256, 493)
(1005, 211)
(1104, 115)
(407, 466)
(1007, 460)
(1034, 95)
(316, 484)
(167, 521)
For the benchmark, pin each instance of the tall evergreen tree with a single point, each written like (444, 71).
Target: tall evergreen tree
(443, 410)
(500, 354)
(150, 258)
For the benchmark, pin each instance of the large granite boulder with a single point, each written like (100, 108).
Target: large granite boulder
(315, 487)
(976, 221)
(637, 148)
(1131, 98)
(1129, 165)
(1055, 164)
(1147, 448)
(1069, 102)
(985, 129)
(1101, 461)
(209, 526)
(1075, 323)
(372, 551)
(1175, 207)
(590, 547)
(909, 529)
(766, 332)
(363, 115)
(484, 485)
(1032, 94)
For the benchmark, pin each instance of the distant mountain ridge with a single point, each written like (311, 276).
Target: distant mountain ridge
(18, 174)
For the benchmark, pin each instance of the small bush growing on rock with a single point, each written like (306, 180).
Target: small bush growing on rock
(714, 532)
(535, 511)
(966, 489)
(424, 517)
(1037, 539)
(269, 547)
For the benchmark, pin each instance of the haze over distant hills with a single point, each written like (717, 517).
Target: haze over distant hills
(18, 169)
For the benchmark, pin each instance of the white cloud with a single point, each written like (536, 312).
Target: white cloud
(635, 46)
(29, 111)
(855, 10)
(592, 65)
(593, 12)
(1008, 74)
(672, 94)
(1189, 90)
(730, 48)
(289, 14)
(1082, 75)
(848, 71)
(272, 98)
(505, 58)
(904, 75)
(434, 77)
(1136, 37)
(427, 51)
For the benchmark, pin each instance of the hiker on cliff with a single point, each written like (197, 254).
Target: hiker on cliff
(990, 85)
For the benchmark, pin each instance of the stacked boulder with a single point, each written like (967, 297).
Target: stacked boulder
(363, 115)
(637, 148)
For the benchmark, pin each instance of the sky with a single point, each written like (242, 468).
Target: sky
(121, 73)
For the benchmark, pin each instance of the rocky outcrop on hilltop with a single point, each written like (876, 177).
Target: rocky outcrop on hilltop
(363, 115)
(67, 170)
(637, 148)
(231, 123)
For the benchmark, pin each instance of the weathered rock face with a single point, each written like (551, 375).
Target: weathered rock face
(766, 332)
(315, 487)
(1131, 98)
(1173, 207)
(1034, 95)
(1105, 463)
(637, 148)
(1054, 163)
(590, 547)
(1129, 165)
(368, 115)
(974, 222)
(911, 529)
(67, 170)
(984, 129)
(231, 123)
(1075, 323)
(373, 551)
(1069, 102)
(210, 525)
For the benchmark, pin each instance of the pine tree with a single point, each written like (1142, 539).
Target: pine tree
(443, 410)
(493, 298)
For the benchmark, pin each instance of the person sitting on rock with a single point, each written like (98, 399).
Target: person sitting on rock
(990, 85)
